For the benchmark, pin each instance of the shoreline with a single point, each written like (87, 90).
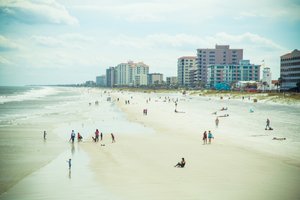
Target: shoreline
(140, 165)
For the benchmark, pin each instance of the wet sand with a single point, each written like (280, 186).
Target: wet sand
(140, 165)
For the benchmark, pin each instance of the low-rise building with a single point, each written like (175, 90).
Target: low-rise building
(155, 79)
(172, 80)
(229, 74)
(101, 81)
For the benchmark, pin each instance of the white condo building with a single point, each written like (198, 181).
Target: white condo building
(184, 65)
(131, 73)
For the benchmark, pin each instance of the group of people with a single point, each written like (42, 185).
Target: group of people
(208, 136)
(98, 133)
(80, 138)
(145, 111)
(73, 135)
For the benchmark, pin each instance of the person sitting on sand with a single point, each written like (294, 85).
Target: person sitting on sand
(225, 115)
(276, 138)
(180, 164)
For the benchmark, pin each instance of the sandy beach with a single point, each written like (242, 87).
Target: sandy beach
(142, 167)
(243, 162)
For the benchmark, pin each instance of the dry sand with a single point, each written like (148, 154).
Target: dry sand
(140, 166)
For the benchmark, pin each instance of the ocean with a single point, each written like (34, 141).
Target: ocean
(25, 112)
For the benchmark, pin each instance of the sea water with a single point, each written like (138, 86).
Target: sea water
(27, 160)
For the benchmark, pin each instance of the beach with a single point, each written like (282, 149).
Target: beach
(242, 162)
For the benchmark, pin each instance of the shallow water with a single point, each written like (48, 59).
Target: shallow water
(22, 122)
(56, 181)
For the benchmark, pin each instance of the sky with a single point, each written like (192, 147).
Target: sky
(72, 41)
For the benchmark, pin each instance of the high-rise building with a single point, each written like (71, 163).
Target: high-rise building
(155, 78)
(130, 73)
(228, 74)
(290, 69)
(139, 73)
(110, 77)
(184, 65)
(267, 78)
(101, 80)
(220, 55)
(123, 74)
(172, 80)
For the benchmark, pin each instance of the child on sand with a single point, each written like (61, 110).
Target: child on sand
(79, 137)
(70, 164)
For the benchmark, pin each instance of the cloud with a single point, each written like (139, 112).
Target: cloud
(36, 12)
(193, 41)
(46, 41)
(4, 61)
(7, 45)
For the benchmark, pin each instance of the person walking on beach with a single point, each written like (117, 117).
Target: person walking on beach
(204, 137)
(180, 164)
(267, 124)
(101, 136)
(210, 136)
(217, 122)
(112, 138)
(45, 134)
(97, 135)
(73, 136)
(70, 163)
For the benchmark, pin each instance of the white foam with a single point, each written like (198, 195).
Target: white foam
(33, 94)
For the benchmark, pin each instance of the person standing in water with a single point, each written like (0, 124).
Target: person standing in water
(73, 136)
(45, 134)
(70, 163)
(267, 124)
(210, 136)
(217, 122)
(112, 138)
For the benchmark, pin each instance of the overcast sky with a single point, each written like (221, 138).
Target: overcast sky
(71, 41)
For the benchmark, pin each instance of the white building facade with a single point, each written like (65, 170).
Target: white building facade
(184, 65)
(266, 78)
(130, 73)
